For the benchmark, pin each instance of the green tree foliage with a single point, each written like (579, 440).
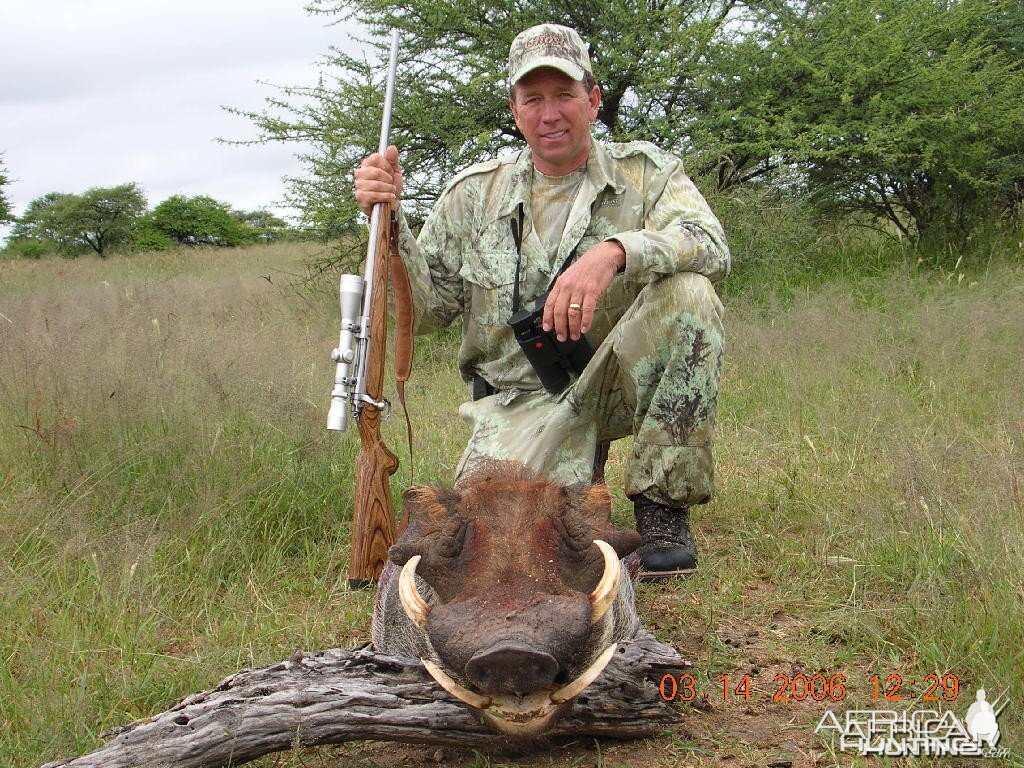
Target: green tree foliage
(199, 220)
(39, 224)
(6, 212)
(42, 220)
(904, 110)
(103, 218)
(451, 96)
(265, 226)
(147, 236)
(107, 216)
(26, 248)
(99, 219)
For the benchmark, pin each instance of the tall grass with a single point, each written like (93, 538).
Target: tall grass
(172, 508)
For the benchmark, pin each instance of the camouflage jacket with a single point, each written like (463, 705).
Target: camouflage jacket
(464, 261)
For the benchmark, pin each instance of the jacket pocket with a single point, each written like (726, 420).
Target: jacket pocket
(491, 275)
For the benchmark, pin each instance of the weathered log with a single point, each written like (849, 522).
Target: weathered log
(334, 696)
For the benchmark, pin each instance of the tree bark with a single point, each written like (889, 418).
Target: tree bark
(334, 696)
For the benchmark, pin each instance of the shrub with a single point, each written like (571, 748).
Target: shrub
(28, 248)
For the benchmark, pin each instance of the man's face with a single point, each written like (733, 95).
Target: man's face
(554, 113)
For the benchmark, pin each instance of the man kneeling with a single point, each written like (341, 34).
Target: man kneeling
(617, 250)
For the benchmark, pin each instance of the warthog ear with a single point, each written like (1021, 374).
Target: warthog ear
(429, 505)
(427, 510)
(591, 505)
(585, 514)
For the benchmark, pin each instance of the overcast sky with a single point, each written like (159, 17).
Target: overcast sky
(103, 92)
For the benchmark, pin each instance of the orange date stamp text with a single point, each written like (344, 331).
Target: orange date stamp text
(818, 687)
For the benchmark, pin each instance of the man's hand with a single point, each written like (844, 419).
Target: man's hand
(379, 180)
(569, 309)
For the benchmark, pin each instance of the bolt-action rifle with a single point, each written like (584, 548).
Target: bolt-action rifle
(359, 378)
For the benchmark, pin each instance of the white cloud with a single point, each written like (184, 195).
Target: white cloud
(111, 91)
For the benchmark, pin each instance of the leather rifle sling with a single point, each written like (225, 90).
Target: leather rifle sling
(402, 292)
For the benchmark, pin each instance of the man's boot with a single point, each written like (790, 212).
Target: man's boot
(667, 549)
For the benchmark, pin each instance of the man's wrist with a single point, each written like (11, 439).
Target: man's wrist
(620, 255)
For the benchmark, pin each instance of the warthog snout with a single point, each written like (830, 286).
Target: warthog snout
(512, 668)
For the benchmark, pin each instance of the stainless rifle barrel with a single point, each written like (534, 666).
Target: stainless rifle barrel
(375, 225)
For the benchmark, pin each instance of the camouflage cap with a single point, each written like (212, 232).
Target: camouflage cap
(548, 45)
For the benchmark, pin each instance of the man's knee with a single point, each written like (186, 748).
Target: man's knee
(686, 292)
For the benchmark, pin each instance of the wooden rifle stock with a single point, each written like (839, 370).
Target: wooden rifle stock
(373, 521)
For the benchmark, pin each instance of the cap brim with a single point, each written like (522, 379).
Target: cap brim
(575, 71)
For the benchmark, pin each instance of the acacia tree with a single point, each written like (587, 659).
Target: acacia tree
(451, 96)
(40, 223)
(105, 217)
(199, 220)
(6, 211)
(265, 226)
(98, 219)
(907, 111)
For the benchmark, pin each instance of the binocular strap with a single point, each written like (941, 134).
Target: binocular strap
(517, 236)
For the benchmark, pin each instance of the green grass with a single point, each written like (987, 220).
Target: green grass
(172, 508)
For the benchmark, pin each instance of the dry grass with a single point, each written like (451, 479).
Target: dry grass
(171, 507)
(892, 436)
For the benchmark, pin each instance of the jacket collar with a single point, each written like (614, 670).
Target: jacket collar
(601, 170)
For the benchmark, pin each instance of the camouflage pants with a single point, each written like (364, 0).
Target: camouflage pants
(655, 377)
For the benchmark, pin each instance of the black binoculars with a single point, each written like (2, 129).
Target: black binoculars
(553, 360)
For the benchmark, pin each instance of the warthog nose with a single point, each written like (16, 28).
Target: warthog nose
(512, 668)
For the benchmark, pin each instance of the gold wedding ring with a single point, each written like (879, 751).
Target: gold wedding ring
(575, 307)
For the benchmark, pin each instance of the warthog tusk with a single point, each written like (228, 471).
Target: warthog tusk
(607, 589)
(521, 715)
(589, 675)
(413, 604)
(456, 690)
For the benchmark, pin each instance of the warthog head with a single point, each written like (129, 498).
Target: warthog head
(512, 592)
